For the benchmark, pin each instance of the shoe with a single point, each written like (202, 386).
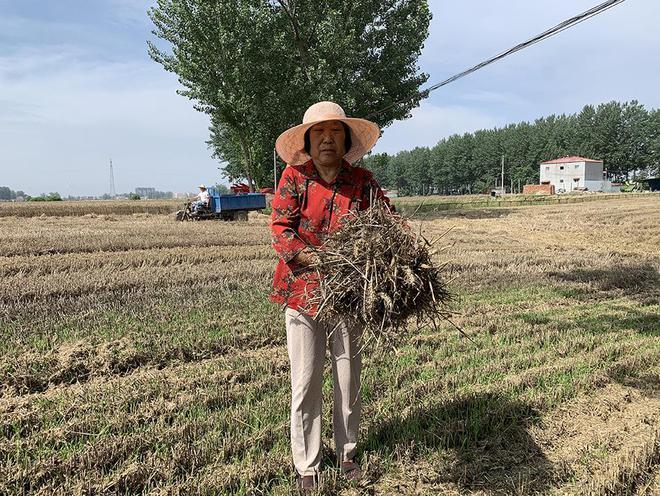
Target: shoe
(306, 483)
(351, 470)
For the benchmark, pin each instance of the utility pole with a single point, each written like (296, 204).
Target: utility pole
(274, 169)
(503, 188)
(113, 193)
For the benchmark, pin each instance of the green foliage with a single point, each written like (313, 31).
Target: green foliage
(625, 136)
(7, 194)
(133, 196)
(222, 189)
(49, 197)
(255, 65)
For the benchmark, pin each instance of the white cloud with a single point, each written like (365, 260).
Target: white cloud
(16, 28)
(608, 57)
(132, 11)
(487, 96)
(65, 117)
(63, 89)
(430, 123)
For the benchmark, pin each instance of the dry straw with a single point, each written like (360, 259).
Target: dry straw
(377, 271)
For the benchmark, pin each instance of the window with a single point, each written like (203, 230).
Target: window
(577, 166)
(561, 180)
(547, 168)
(561, 167)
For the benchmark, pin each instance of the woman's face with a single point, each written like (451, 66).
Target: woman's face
(327, 143)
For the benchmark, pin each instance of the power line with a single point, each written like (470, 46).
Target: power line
(568, 23)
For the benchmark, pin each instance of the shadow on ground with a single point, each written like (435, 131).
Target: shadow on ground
(638, 319)
(484, 437)
(641, 321)
(454, 213)
(641, 281)
(647, 382)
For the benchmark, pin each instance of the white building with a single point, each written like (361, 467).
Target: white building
(147, 193)
(570, 173)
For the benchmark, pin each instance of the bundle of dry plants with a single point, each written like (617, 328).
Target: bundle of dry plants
(377, 271)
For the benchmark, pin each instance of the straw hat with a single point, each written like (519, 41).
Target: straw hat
(201, 186)
(290, 145)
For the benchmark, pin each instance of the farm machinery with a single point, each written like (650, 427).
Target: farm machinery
(224, 207)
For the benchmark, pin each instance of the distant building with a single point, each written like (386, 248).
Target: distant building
(146, 192)
(572, 173)
(538, 189)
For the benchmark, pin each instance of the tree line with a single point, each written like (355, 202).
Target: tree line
(8, 194)
(626, 136)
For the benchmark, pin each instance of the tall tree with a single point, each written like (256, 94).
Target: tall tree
(607, 138)
(398, 176)
(419, 171)
(653, 133)
(625, 136)
(635, 140)
(255, 65)
(379, 164)
(585, 125)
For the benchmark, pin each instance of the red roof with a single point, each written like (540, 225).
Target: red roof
(574, 158)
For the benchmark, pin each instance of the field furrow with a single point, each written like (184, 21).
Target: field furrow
(142, 356)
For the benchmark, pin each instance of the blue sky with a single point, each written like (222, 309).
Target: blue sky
(77, 86)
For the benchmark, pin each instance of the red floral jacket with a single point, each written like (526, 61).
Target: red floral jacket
(305, 210)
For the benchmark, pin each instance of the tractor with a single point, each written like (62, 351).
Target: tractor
(224, 207)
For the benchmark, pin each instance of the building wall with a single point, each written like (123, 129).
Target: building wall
(572, 175)
(538, 189)
(601, 185)
(594, 171)
(562, 176)
(145, 192)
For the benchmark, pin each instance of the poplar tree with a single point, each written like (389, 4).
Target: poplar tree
(625, 136)
(255, 65)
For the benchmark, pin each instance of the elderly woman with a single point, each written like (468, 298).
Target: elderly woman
(317, 188)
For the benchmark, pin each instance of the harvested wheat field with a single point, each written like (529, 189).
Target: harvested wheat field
(89, 208)
(141, 356)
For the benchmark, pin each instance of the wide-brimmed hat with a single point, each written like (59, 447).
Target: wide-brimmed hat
(290, 145)
(201, 186)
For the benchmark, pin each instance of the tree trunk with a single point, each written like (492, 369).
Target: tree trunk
(289, 7)
(247, 158)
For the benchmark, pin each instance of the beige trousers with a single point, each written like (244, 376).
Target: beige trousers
(306, 343)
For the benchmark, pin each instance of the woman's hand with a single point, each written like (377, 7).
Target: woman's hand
(306, 258)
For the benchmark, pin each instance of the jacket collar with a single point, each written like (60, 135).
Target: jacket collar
(310, 172)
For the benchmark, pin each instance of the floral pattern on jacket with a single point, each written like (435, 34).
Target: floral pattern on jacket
(306, 209)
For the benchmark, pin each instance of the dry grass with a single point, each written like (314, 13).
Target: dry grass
(140, 355)
(111, 233)
(376, 270)
(436, 203)
(90, 208)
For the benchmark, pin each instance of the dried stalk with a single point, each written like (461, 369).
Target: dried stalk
(377, 271)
